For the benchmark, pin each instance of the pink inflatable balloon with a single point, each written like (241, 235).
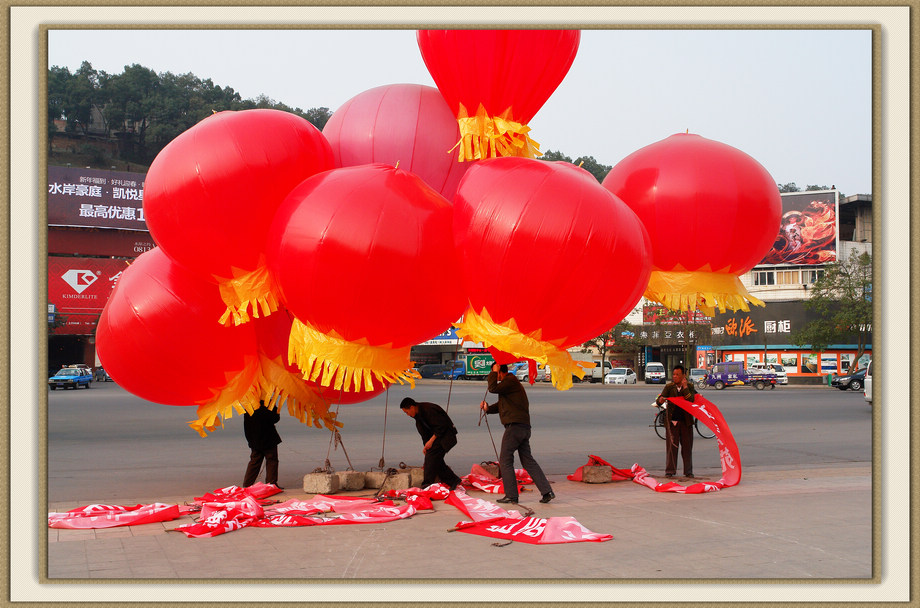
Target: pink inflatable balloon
(409, 124)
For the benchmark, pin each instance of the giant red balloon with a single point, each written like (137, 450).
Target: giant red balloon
(514, 216)
(405, 124)
(359, 255)
(495, 81)
(711, 212)
(211, 195)
(159, 338)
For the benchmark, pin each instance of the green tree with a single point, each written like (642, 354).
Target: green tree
(790, 187)
(842, 298)
(588, 163)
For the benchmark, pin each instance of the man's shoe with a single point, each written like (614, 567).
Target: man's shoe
(548, 497)
(669, 474)
(688, 475)
(507, 500)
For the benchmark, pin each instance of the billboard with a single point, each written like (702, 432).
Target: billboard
(78, 288)
(657, 313)
(115, 243)
(808, 230)
(91, 198)
(770, 324)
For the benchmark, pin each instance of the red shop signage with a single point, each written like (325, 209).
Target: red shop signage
(79, 289)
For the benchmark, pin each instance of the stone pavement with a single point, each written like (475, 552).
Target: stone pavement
(778, 523)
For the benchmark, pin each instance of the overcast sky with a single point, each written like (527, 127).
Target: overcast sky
(798, 101)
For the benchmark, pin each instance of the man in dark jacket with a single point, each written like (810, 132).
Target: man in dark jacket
(513, 410)
(678, 423)
(439, 435)
(263, 439)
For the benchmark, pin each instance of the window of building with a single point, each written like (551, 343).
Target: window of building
(787, 277)
(810, 276)
(764, 277)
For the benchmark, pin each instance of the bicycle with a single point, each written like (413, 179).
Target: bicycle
(660, 424)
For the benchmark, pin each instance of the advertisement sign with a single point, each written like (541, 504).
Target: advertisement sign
(119, 243)
(808, 229)
(78, 288)
(479, 364)
(658, 313)
(448, 338)
(95, 199)
(770, 324)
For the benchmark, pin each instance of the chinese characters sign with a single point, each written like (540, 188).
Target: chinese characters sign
(94, 198)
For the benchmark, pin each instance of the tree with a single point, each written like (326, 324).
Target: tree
(842, 298)
(588, 163)
(790, 187)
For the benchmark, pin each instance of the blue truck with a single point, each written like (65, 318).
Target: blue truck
(733, 373)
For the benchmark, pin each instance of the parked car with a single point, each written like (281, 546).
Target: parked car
(620, 375)
(84, 368)
(697, 374)
(781, 376)
(432, 370)
(70, 377)
(522, 371)
(598, 373)
(732, 373)
(655, 373)
(867, 390)
(854, 381)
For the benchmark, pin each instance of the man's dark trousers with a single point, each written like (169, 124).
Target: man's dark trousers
(255, 465)
(682, 432)
(517, 439)
(435, 467)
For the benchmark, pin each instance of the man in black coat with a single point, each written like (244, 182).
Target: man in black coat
(263, 439)
(439, 435)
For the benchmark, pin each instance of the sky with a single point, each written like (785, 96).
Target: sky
(798, 101)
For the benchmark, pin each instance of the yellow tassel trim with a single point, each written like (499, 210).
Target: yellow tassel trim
(350, 366)
(689, 290)
(479, 327)
(273, 385)
(253, 289)
(483, 136)
(241, 393)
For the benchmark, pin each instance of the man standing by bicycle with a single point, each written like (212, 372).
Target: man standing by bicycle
(678, 423)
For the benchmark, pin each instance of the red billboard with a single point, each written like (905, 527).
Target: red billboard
(95, 199)
(658, 313)
(808, 230)
(117, 243)
(78, 288)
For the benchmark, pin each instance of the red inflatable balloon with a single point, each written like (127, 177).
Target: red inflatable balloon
(211, 195)
(515, 213)
(359, 255)
(711, 212)
(495, 81)
(161, 317)
(405, 124)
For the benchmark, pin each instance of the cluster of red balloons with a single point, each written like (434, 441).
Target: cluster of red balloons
(301, 266)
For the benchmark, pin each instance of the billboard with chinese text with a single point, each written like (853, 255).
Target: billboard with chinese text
(770, 324)
(95, 199)
(657, 313)
(78, 288)
(808, 229)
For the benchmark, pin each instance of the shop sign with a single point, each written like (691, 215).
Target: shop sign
(808, 229)
(79, 288)
(95, 199)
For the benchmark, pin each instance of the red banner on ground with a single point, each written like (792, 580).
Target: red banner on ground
(534, 530)
(110, 516)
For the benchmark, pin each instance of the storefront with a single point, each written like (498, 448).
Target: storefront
(763, 334)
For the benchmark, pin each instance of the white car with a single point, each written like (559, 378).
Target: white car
(781, 376)
(620, 375)
(867, 383)
(523, 373)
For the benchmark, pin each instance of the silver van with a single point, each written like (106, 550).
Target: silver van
(867, 383)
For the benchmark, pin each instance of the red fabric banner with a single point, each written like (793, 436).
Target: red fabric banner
(481, 479)
(534, 530)
(730, 457)
(479, 509)
(110, 516)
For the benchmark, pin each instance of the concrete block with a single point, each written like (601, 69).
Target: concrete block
(492, 469)
(416, 476)
(374, 479)
(399, 481)
(597, 474)
(320, 483)
(350, 480)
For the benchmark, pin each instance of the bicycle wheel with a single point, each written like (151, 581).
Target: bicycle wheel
(702, 430)
(660, 422)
